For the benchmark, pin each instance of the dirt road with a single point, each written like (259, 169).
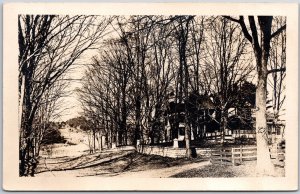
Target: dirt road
(116, 163)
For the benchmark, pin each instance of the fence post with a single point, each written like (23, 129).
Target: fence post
(241, 155)
(232, 156)
(175, 143)
(221, 155)
(211, 155)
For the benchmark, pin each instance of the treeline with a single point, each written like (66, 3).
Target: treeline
(143, 62)
(151, 60)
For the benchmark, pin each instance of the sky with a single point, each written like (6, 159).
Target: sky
(72, 102)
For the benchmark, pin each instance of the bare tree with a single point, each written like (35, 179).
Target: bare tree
(226, 66)
(160, 76)
(182, 27)
(276, 78)
(50, 109)
(48, 46)
(260, 38)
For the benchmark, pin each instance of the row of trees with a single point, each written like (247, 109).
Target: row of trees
(126, 89)
(139, 69)
(140, 63)
(49, 46)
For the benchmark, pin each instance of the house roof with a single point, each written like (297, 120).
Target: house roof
(205, 102)
(194, 102)
(201, 101)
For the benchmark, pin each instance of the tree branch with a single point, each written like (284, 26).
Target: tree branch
(231, 18)
(277, 70)
(244, 29)
(242, 24)
(254, 32)
(278, 31)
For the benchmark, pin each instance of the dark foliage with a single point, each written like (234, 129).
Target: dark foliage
(53, 135)
(80, 122)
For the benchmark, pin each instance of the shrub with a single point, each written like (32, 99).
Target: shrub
(53, 135)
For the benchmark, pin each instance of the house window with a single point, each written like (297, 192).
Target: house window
(181, 130)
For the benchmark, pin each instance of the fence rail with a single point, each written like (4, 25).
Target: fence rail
(233, 156)
(278, 154)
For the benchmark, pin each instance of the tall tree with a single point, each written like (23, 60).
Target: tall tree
(160, 78)
(182, 28)
(135, 33)
(260, 38)
(48, 46)
(227, 66)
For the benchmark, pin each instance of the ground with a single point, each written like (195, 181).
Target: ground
(117, 163)
(74, 160)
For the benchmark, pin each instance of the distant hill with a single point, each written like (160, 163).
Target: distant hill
(78, 123)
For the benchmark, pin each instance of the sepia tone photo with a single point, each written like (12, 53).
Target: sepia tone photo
(152, 96)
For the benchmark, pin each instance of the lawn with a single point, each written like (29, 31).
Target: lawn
(247, 169)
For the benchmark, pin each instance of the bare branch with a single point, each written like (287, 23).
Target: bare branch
(232, 19)
(277, 32)
(277, 70)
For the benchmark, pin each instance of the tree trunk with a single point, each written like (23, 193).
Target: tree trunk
(187, 135)
(223, 125)
(137, 119)
(124, 118)
(264, 164)
(94, 138)
(26, 156)
(99, 142)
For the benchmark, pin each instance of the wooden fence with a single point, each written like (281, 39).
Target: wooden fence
(233, 156)
(278, 154)
(243, 135)
(221, 156)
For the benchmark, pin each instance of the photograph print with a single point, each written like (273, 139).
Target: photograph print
(152, 96)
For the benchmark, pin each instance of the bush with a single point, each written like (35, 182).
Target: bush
(53, 135)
